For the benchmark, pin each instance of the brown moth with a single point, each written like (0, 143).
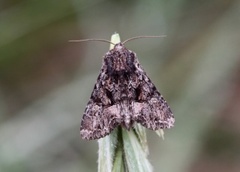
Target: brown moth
(122, 95)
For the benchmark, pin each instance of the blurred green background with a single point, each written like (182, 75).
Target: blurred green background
(45, 81)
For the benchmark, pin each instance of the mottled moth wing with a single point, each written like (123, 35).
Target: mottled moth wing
(151, 110)
(122, 95)
(100, 116)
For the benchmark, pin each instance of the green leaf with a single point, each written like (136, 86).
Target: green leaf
(136, 157)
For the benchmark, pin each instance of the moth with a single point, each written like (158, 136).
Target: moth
(123, 94)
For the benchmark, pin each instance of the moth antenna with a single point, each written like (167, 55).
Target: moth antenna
(85, 40)
(138, 37)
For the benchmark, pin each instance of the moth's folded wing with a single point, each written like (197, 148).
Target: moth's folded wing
(99, 118)
(98, 121)
(151, 110)
(154, 115)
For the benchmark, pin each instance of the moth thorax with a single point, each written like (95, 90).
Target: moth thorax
(120, 63)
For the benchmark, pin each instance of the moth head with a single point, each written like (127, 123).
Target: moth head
(120, 60)
(119, 47)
